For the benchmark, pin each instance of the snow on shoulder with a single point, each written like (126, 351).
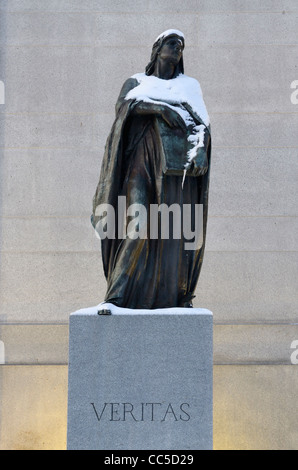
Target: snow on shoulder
(179, 90)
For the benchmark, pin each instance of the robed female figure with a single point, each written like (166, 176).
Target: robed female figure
(156, 156)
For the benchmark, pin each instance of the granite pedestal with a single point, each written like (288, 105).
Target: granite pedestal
(140, 379)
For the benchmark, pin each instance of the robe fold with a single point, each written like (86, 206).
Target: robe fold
(148, 273)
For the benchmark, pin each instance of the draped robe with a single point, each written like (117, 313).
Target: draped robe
(146, 273)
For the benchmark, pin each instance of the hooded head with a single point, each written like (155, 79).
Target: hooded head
(159, 41)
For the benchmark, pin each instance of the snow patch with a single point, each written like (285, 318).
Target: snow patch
(168, 32)
(174, 93)
(129, 311)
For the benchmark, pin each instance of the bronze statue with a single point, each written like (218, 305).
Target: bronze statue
(157, 156)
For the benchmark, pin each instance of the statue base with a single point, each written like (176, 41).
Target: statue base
(140, 379)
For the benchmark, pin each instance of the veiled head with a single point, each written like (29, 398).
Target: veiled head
(157, 46)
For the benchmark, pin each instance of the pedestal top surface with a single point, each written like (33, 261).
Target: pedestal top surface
(127, 311)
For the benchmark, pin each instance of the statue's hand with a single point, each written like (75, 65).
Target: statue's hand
(200, 163)
(172, 118)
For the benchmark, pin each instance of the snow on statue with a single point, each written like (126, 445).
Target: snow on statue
(157, 155)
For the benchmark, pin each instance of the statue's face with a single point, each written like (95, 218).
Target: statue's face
(172, 50)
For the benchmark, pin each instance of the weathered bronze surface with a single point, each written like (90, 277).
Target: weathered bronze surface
(145, 160)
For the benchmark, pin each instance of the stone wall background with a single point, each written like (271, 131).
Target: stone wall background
(62, 64)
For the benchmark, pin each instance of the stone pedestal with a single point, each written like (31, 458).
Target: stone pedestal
(140, 379)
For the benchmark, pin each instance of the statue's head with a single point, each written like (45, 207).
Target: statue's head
(158, 45)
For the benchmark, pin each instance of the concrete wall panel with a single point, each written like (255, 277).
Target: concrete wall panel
(253, 182)
(255, 408)
(46, 287)
(45, 182)
(33, 407)
(243, 78)
(260, 286)
(107, 6)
